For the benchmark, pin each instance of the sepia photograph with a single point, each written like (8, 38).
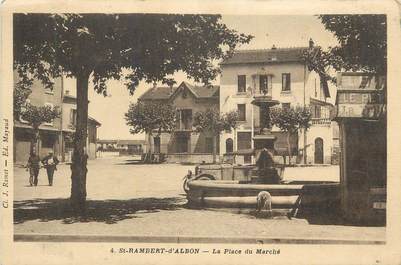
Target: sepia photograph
(199, 128)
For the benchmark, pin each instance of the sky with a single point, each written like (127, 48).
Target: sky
(282, 31)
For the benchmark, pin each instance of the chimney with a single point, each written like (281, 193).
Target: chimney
(171, 88)
(274, 47)
(311, 43)
(154, 84)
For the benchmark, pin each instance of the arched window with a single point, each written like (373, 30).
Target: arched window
(229, 145)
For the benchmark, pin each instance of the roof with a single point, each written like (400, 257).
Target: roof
(131, 142)
(90, 119)
(320, 102)
(202, 91)
(165, 93)
(276, 55)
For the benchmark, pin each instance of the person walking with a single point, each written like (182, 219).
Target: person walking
(33, 166)
(50, 162)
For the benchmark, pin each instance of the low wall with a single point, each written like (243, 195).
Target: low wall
(190, 158)
(107, 154)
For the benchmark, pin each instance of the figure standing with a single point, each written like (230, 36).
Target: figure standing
(33, 166)
(50, 162)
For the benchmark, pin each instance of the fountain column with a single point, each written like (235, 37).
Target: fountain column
(264, 142)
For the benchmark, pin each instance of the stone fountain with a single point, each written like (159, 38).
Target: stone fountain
(265, 173)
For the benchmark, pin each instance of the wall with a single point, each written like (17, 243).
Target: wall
(39, 97)
(326, 133)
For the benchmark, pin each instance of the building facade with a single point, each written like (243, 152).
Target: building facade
(281, 74)
(124, 147)
(57, 135)
(184, 144)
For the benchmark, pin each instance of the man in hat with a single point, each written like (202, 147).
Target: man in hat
(50, 163)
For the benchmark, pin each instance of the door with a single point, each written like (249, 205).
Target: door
(319, 151)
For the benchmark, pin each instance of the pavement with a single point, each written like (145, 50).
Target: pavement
(134, 202)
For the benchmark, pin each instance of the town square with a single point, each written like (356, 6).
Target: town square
(191, 133)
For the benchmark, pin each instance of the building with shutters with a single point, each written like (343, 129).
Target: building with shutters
(184, 144)
(283, 74)
(57, 135)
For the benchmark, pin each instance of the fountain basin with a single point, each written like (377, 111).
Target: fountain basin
(233, 194)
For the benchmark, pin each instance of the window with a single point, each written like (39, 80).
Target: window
(186, 116)
(47, 141)
(241, 83)
(73, 117)
(209, 145)
(285, 106)
(263, 84)
(51, 106)
(244, 140)
(286, 82)
(241, 112)
(229, 145)
(317, 111)
(184, 119)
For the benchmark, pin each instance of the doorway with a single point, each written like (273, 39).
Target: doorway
(319, 151)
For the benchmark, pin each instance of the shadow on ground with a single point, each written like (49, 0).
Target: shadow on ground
(107, 211)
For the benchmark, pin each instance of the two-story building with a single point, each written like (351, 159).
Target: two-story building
(283, 75)
(184, 144)
(57, 135)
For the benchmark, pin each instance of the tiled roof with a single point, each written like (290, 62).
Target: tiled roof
(266, 56)
(164, 93)
(203, 91)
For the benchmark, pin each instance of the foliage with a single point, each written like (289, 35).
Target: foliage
(69, 138)
(150, 116)
(20, 96)
(36, 116)
(212, 121)
(363, 41)
(363, 46)
(291, 119)
(148, 46)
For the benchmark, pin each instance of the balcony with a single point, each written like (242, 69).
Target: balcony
(321, 121)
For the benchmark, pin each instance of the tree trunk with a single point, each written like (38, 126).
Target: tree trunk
(305, 146)
(80, 157)
(214, 148)
(149, 152)
(289, 148)
(34, 140)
